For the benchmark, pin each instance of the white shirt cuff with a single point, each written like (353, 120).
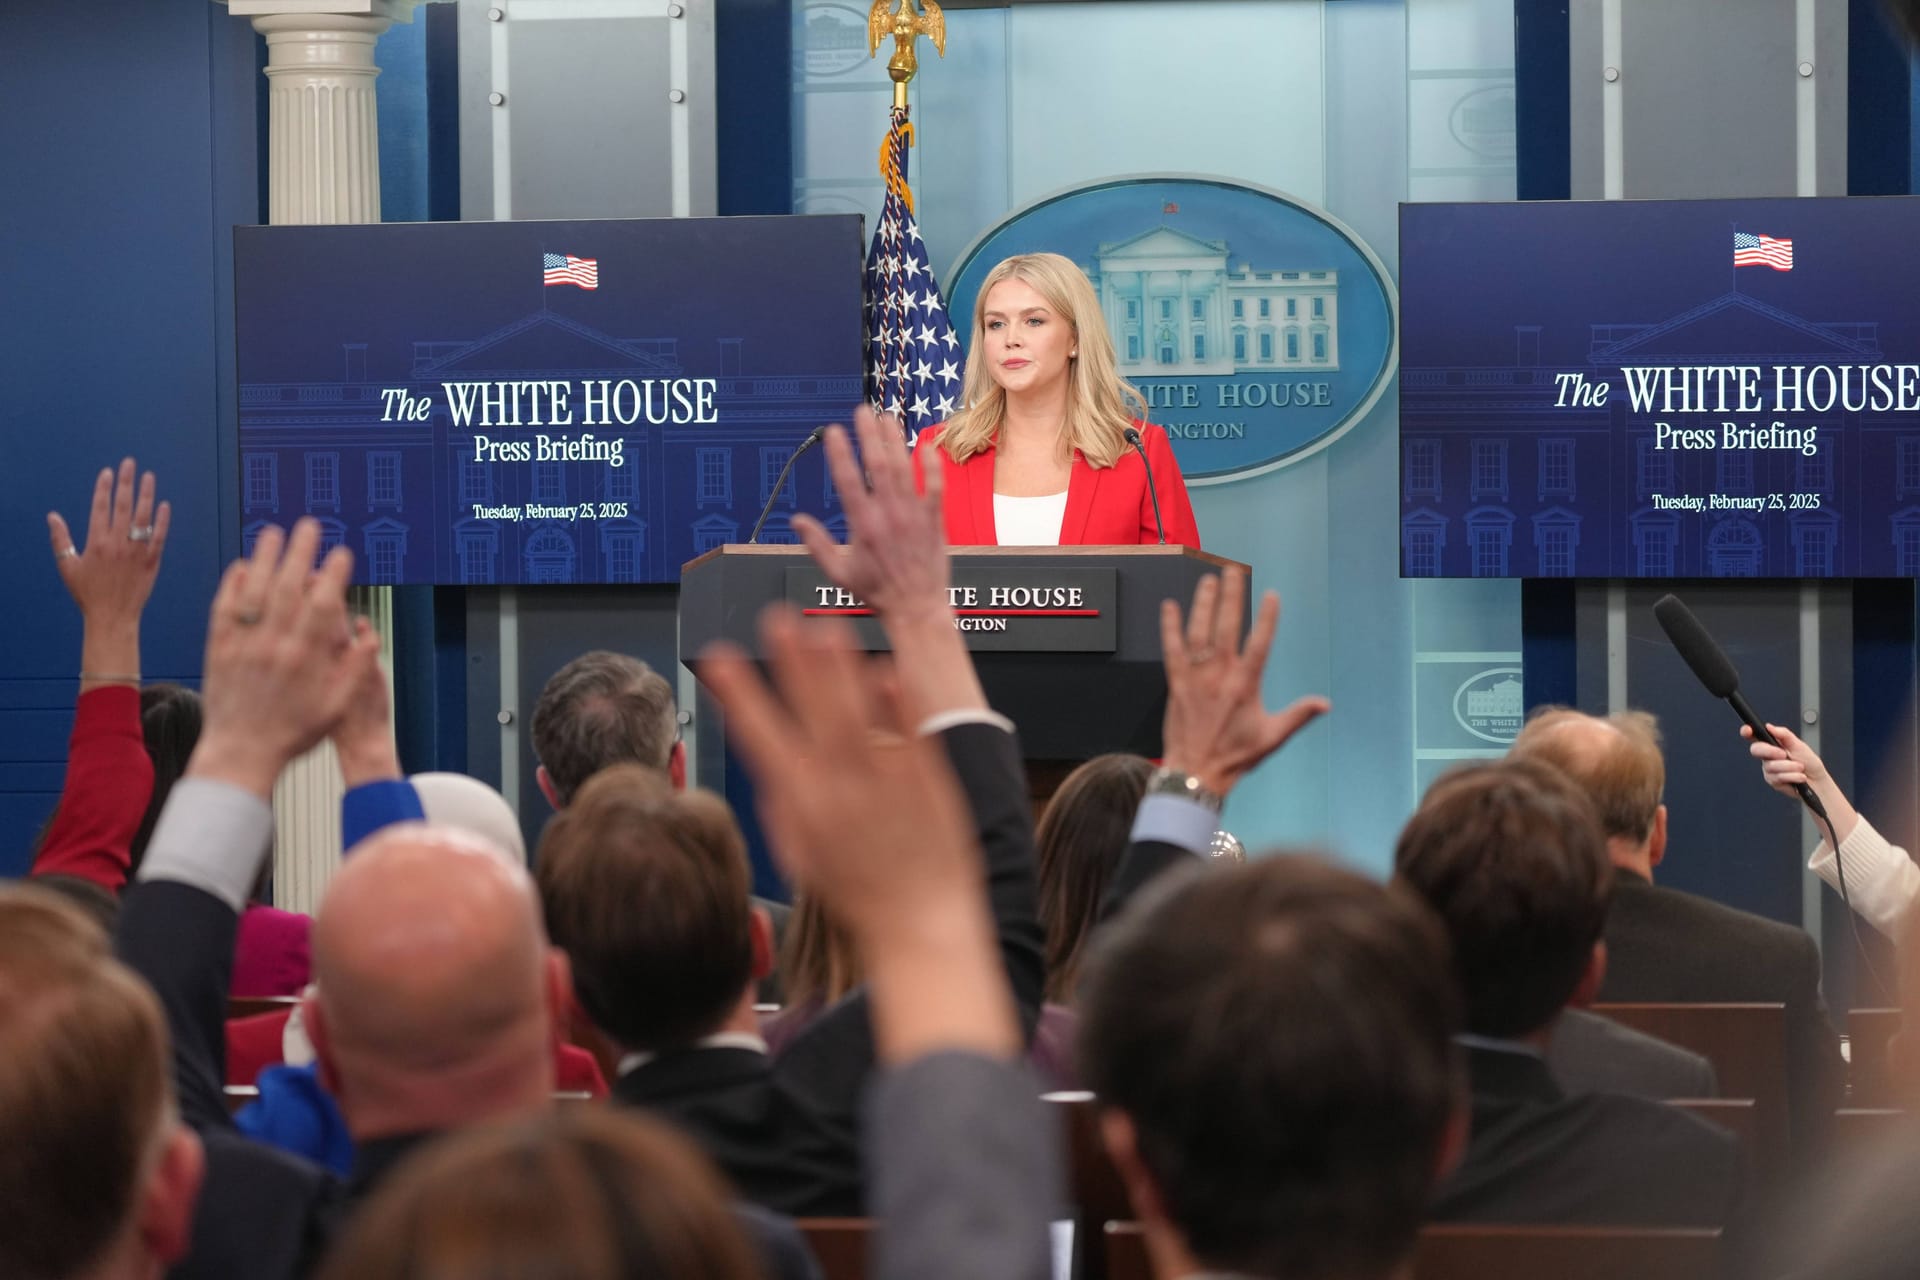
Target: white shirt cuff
(212, 836)
(1174, 820)
(942, 721)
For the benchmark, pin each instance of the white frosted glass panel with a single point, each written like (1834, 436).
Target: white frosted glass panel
(841, 134)
(1199, 86)
(1459, 33)
(961, 164)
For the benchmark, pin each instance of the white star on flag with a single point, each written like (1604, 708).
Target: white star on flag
(897, 349)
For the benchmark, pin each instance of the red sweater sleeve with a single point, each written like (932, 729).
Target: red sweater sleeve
(109, 778)
(1176, 508)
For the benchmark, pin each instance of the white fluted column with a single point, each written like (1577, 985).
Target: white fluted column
(323, 166)
(323, 147)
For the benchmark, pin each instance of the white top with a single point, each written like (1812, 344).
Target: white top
(1029, 522)
(1882, 880)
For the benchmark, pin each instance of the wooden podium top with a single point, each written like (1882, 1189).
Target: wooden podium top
(1146, 549)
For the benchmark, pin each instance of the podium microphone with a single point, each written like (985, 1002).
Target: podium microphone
(1153, 490)
(813, 438)
(1716, 671)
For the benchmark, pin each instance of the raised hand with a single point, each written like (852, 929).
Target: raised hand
(112, 577)
(1794, 762)
(895, 558)
(1215, 727)
(283, 662)
(877, 830)
(363, 739)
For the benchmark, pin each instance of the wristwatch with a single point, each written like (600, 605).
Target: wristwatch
(1172, 782)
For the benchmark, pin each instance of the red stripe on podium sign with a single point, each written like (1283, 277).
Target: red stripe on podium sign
(964, 613)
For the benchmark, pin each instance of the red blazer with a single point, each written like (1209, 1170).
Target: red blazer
(1106, 506)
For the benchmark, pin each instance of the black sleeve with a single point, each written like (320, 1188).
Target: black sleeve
(1144, 862)
(181, 939)
(831, 1060)
(987, 760)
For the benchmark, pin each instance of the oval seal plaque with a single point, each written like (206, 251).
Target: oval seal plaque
(1257, 326)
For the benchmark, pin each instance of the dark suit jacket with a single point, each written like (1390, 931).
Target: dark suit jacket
(1592, 1054)
(262, 1213)
(1667, 946)
(1541, 1156)
(787, 1129)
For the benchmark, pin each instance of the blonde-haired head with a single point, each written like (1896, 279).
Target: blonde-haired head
(1100, 404)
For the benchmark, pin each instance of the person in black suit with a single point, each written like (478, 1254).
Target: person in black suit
(1510, 856)
(1667, 946)
(672, 984)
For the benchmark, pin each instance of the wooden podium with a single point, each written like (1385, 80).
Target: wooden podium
(1067, 639)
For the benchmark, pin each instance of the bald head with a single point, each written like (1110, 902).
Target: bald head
(1615, 759)
(436, 1002)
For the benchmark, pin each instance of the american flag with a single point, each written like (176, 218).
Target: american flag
(914, 360)
(1762, 251)
(564, 268)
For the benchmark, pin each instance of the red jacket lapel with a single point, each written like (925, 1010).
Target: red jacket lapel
(1083, 486)
(979, 474)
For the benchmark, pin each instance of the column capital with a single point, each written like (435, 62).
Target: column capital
(391, 10)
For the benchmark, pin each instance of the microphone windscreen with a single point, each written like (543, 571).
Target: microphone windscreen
(1131, 436)
(1708, 660)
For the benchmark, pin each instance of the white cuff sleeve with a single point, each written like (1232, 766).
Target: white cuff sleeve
(212, 836)
(942, 721)
(1174, 820)
(1882, 881)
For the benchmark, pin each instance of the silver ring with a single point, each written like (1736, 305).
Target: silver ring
(1199, 656)
(69, 552)
(248, 619)
(141, 533)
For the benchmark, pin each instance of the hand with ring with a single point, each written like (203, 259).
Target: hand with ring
(113, 575)
(1215, 727)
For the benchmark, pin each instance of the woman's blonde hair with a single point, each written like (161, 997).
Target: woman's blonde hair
(1100, 403)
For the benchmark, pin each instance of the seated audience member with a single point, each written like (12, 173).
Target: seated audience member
(606, 708)
(1882, 880)
(1667, 946)
(438, 994)
(580, 1195)
(1080, 838)
(647, 893)
(1510, 857)
(1272, 1049)
(98, 1177)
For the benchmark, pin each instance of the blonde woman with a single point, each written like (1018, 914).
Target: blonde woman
(1039, 455)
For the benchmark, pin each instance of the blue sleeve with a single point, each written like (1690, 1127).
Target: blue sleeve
(373, 805)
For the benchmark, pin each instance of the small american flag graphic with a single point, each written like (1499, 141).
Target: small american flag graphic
(564, 268)
(1762, 251)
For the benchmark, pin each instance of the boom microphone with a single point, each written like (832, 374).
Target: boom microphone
(1716, 671)
(813, 438)
(1153, 491)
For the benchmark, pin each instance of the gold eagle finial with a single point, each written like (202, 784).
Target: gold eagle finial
(906, 24)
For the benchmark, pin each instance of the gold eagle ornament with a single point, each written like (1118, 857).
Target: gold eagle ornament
(906, 23)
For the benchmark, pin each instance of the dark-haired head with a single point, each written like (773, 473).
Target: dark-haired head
(1511, 857)
(1275, 1044)
(1081, 835)
(170, 724)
